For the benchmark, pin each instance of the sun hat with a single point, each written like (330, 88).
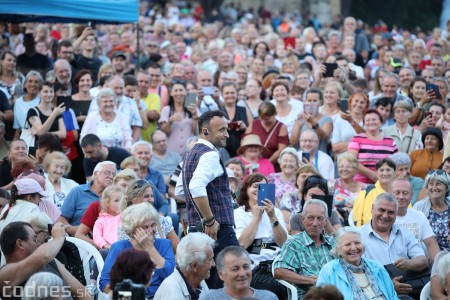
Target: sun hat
(252, 140)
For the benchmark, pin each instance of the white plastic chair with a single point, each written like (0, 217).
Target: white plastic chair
(351, 222)
(88, 252)
(291, 289)
(425, 294)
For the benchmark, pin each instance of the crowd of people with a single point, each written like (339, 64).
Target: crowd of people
(153, 149)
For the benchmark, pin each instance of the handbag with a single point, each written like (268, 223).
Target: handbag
(417, 279)
(27, 135)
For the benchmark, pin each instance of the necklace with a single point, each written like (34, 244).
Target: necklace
(362, 280)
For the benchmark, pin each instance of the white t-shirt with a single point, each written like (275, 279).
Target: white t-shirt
(324, 164)
(243, 218)
(289, 120)
(416, 222)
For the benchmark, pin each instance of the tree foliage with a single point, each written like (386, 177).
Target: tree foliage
(406, 14)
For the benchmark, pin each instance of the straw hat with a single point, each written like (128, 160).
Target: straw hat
(252, 140)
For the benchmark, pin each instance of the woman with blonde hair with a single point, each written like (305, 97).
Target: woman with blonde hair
(56, 166)
(10, 78)
(124, 178)
(333, 92)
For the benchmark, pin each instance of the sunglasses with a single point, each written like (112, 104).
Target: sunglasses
(140, 183)
(178, 81)
(438, 172)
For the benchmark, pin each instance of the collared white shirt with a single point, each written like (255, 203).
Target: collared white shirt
(208, 169)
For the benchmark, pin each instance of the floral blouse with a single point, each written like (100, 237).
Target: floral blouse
(440, 224)
(343, 197)
(281, 187)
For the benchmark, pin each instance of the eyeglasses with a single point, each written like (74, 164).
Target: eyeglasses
(108, 173)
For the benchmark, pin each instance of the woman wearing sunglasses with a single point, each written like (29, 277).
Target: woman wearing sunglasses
(436, 206)
(141, 191)
(178, 120)
(315, 185)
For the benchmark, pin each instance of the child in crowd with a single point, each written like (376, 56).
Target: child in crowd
(105, 228)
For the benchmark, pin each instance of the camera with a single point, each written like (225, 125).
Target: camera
(128, 290)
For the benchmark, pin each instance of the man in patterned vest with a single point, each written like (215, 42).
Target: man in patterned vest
(205, 186)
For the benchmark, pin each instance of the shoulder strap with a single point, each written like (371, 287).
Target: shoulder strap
(368, 189)
(271, 133)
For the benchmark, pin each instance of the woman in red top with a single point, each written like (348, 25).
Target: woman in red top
(273, 134)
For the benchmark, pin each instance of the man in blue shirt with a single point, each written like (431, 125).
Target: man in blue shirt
(79, 198)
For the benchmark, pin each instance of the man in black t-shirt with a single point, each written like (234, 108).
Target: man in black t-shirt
(94, 152)
(31, 60)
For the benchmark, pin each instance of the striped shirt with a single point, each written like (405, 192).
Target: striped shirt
(370, 152)
(300, 255)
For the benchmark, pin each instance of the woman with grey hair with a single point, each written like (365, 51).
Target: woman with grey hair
(406, 138)
(107, 123)
(285, 180)
(140, 222)
(436, 206)
(32, 85)
(403, 169)
(356, 277)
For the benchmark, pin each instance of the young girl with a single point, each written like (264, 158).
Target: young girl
(109, 220)
(444, 123)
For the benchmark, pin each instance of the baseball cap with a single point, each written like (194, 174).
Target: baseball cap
(119, 53)
(29, 186)
(387, 36)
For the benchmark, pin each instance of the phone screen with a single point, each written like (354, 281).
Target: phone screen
(343, 104)
(208, 90)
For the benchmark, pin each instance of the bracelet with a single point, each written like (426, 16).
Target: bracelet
(209, 225)
(209, 220)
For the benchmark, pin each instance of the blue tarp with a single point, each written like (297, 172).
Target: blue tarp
(69, 11)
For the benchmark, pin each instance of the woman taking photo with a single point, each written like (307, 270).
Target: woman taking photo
(139, 223)
(44, 118)
(349, 123)
(436, 206)
(239, 117)
(251, 154)
(110, 126)
(355, 277)
(431, 156)
(273, 133)
(56, 166)
(257, 224)
(284, 180)
(406, 138)
(9, 76)
(32, 86)
(311, 118)
(418, 93)
(371, 147)
(177, 121)
(314, 185)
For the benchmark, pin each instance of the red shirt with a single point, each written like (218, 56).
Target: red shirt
(91, 214)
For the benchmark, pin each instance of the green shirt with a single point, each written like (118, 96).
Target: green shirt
(300, 255)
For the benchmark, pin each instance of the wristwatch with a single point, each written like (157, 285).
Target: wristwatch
(275, 224)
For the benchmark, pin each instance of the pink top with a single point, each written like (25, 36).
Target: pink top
(264, 166)
(106, 228)
(50, 208)
(370, 152)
